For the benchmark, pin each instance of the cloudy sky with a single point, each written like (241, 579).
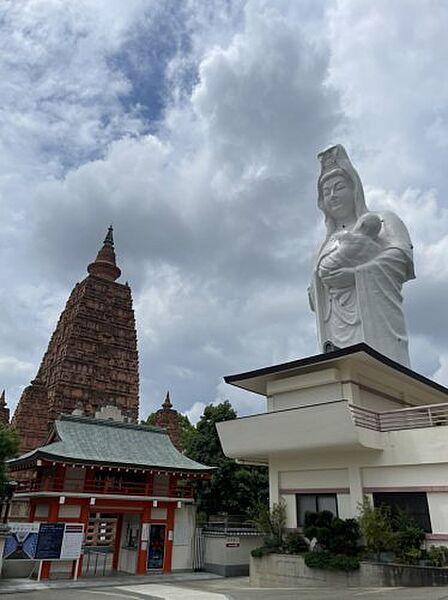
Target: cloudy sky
(193, 126)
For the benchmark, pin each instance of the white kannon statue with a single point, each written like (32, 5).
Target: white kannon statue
(361, 266)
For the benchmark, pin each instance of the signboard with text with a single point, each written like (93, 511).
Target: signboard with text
(44, 541)
(72, 541)
(232, 542)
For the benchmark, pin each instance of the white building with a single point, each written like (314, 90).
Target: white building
(345, 424)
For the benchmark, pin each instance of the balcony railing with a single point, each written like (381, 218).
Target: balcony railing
(105, 486)
(415, 417)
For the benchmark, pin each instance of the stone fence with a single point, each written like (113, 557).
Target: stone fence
(290, 570)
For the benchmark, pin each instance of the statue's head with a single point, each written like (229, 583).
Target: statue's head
(338, 196)
(340, 193)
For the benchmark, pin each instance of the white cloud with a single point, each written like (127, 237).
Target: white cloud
(195, 412)
(441, 375)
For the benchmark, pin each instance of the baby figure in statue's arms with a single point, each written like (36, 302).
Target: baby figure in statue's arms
(355, 247)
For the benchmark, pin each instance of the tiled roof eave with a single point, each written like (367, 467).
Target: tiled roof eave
(53, 457)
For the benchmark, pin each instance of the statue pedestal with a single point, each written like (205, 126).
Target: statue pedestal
(344, 425)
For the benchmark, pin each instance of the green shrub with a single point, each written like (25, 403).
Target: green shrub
(438, 555)
(331, 562)
(375, 524)
(342, 562)
(411, 556)
(318, 525)
(344, 537)
(336, 535)
(408, 544)
(271, 523)
(408, 538)
(262, 551)
(295, 543)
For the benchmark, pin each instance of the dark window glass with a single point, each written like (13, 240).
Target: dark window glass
(415, 504)
(327, 502)
(314, 503)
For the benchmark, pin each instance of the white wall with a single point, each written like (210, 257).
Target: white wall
(216, 551)
(438, 510)
(322, 478)
(344, 506)
(184, 527)
(69, 511)
(406, 475)
(291, 512)
(377, 402)
(310, 388)
(317, 395)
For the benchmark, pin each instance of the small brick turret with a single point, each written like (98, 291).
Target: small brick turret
(167, 417)
(4, 410)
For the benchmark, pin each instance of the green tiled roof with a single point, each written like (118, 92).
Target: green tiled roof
(88, 440)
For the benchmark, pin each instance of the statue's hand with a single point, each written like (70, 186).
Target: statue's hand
(341, 278)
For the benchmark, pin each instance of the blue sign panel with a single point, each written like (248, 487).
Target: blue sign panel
(21, 541)
(49, 542)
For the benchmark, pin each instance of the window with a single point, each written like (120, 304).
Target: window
(415, 504)
(315, 503)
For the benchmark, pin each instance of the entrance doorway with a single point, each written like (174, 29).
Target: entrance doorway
(156, 547)
(129, 544)
(99, 544)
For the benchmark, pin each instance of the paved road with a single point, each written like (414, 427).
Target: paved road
(231, 589)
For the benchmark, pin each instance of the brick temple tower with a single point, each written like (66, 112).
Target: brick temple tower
(92, 358)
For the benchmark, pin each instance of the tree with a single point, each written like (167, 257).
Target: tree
(9, 446)
(235, 489)
(272, 524)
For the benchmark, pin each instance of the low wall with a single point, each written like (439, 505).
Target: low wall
(229, 554)
(286, 570)
(17, 568)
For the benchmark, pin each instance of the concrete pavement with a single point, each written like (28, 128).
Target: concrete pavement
(215, 588)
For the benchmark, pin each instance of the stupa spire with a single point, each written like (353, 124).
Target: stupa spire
(109, 239)
(167, 402)
(105, 264)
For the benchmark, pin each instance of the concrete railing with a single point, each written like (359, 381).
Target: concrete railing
(415, 417)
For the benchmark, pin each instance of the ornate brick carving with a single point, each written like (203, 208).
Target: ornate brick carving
(92, 358)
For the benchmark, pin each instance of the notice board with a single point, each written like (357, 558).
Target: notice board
(44, 541)
(49, 541)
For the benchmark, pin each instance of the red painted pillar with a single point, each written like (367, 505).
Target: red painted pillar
(52, 518)
(117, 543)
(89, 481)
(142, 558)
(32, 511)
(59, 477)
(169, 538)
